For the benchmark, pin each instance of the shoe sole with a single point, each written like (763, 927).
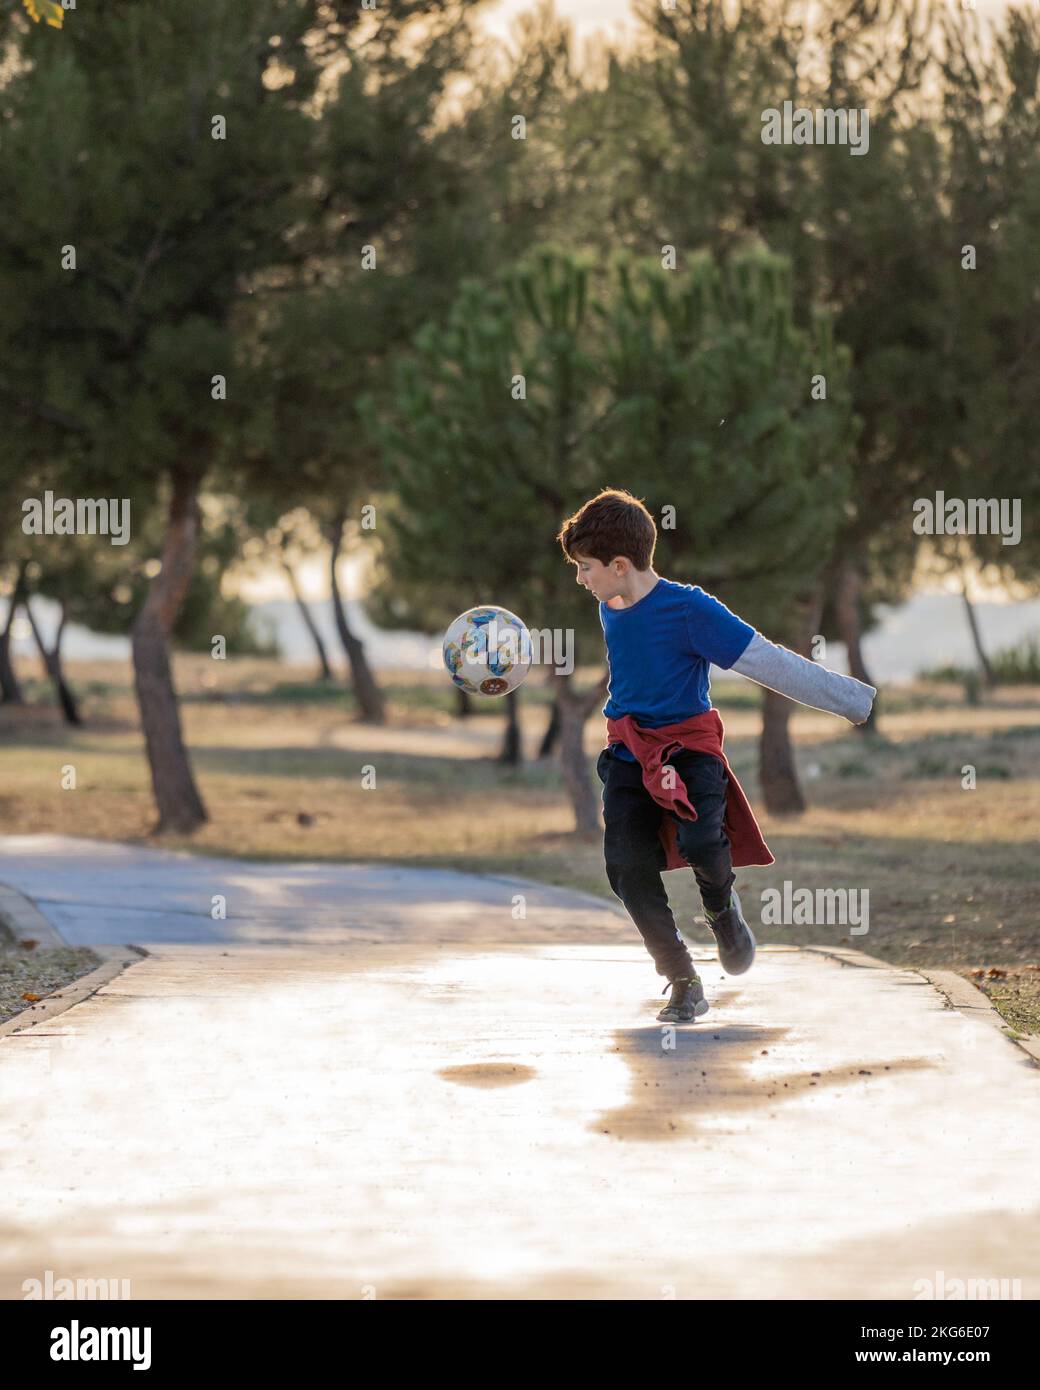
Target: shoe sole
(700, 1009)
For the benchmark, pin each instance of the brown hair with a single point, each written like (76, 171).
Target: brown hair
(609, 524)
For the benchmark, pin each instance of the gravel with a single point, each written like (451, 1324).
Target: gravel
(39, 971)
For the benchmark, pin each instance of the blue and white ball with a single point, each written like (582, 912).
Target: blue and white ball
(488, 650)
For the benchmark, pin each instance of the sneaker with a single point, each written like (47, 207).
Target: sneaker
(735, 940)
(687, 1001)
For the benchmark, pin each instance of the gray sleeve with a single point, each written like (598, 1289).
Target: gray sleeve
(799, 679)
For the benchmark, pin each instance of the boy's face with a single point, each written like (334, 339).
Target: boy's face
(602, 580)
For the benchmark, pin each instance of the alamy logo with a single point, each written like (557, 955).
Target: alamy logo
(549, 646)
(78, 1289)
(82, 516)
(78, 1342)
(801, 126)
(945, 1290)
(978, 516)
(845, 907)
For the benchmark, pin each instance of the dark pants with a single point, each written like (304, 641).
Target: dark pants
(635, 856)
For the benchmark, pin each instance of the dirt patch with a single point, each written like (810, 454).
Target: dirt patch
(489, 1074)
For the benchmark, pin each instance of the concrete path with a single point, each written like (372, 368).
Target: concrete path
(96, 892)
(315, 1106)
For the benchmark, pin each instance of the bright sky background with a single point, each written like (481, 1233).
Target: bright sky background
(607, 16)
(615, 16)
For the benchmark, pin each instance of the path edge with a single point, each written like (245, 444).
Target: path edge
(958, 992)
(115, 959)
(22, 917)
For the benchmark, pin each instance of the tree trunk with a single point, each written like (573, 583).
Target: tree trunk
(52, 665)
(776, 766)
(10, 687)
(324, 669)
(512, 752)
(976, 636)
(552, 731)
(777, 769)
(574, 710)
(463, 709)
(69, 703)
(369, 696)
(848, 586)
(179, 804)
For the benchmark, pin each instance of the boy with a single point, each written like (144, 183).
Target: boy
(670, 799)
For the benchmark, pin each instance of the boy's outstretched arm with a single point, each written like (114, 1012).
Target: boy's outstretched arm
(799, 679)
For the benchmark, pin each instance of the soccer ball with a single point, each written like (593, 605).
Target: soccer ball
(488, 651)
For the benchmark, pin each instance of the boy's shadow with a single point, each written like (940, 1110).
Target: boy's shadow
(706, 1072)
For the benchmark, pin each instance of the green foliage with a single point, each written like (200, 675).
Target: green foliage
(480, 482)
(627, 390)
(1015, 665)
(166, 222)
(1019, 665)
(668, 151)
(238, 257)
(711, 413)
(243, 257)
(991, 113)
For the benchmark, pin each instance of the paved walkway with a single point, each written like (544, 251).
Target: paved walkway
(96, 892)
(361, 1082)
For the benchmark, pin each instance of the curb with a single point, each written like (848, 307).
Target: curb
(955, 989)
(847, 956)
(116, 959)
(23, 918)
(960, 994)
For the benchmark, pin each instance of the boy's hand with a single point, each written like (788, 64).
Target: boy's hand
(873, 692)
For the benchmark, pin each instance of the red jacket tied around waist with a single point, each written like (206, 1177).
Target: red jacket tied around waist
(702, 733)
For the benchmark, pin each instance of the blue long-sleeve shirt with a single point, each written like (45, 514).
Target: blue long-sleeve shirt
(659, 650)
(660, 647)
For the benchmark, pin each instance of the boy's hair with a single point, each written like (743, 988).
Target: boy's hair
(609, 524)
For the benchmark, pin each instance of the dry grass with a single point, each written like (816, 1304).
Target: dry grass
(1015, 993)
(951, 872)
